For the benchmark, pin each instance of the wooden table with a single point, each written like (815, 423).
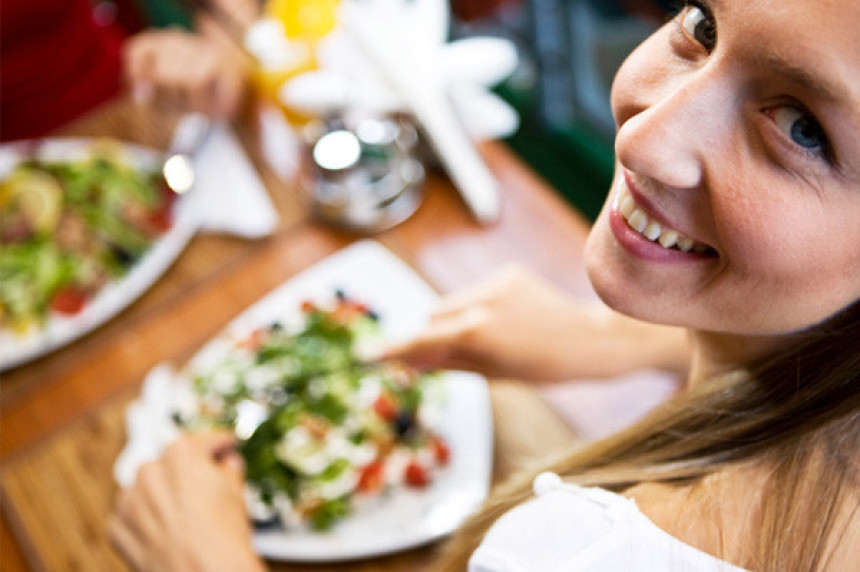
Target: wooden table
(61, 416)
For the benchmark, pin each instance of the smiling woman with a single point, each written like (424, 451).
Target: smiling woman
(732, 214)
(716, 141)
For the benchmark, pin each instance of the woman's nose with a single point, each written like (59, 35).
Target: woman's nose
(674, 130)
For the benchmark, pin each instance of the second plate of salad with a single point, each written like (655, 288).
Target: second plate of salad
(86, 226)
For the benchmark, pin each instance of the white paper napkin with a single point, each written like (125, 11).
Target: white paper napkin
(228, 195)
(148, 426)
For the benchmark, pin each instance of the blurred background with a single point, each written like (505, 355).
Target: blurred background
(569, 52)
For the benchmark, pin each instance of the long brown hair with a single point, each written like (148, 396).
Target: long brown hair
(798, 411)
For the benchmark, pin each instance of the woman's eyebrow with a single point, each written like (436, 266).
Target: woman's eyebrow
(803, 77)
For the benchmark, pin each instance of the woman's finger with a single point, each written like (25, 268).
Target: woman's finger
(505, 279)
(210, 443)
(233, 465)
(125, 541)
(443, 341)
(147, 507)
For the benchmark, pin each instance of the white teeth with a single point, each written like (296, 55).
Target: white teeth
(669, 238)
(653, 230)
(626, 205)
(686, 244)
(638, 220)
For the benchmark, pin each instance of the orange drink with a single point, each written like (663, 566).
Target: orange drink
(307, 20)
(288, 51)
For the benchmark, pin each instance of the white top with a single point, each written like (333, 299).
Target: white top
(571, 528)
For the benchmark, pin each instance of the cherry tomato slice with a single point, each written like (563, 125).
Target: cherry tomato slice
(371, 478)
(161, 219)
(68, 300)
(385, 407)
(441, 451)
(416, 475)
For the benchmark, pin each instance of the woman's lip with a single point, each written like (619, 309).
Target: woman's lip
(648, 207)
(643, 248)
(645, 203)
(635, 242)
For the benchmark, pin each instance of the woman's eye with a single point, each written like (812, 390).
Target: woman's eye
(800, 127)
(700, 26)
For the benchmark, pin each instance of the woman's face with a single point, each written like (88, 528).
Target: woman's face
(736, 200)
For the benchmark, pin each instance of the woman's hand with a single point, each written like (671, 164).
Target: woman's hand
(186, 511)
(188, 71)
(518, 325)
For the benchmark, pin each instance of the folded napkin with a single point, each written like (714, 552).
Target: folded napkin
(148, 424)
(228, 196)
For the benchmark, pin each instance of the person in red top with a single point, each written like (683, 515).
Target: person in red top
(56, 62)
(61, 58)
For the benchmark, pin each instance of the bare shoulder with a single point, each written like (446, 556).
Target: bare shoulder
(717, 514)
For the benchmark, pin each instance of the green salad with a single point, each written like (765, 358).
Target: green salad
(330, 429)
(68, 228)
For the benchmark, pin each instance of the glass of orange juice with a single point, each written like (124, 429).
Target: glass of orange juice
(284, 42)
(307, 20)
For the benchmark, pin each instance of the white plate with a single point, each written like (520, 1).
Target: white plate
(115, 296)
(368, 272)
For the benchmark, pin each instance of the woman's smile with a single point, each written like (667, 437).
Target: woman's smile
(647, 234)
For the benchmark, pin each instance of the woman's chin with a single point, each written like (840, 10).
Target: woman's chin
(614, 292)
(604, 278)
(619, 290)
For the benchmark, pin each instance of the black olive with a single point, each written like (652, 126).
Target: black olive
(123, 256)
(404, 422)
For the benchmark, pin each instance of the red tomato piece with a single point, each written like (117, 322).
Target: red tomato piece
(161, 219)
(168, 195)
(371, 478)
(385, 407)
(68, 300)
(416, 474)
(441, 451)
